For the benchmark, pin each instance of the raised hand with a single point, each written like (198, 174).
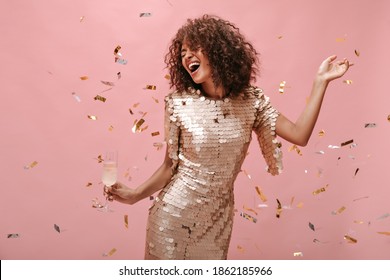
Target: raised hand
(331, 69)
(121, 193)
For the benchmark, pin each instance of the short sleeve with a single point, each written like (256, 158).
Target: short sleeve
(172, 132)
(265, 129)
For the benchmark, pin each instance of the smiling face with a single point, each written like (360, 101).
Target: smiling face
(196, 64)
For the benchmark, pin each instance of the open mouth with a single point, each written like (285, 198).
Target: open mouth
(193, 66)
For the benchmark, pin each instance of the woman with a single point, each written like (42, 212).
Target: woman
(209, 121)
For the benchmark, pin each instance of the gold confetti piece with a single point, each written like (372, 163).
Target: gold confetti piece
(158, 145)
(110, 128)
(108, 83)
(261, 194)
(350, 239)
(384, 232)
(347, 143)
(119, 75)
(120, 61)
(145, 15)
(339, 211)
(131, 111)
(100, 159)
(135, 105)
(240, 249)
(155, 133)
(57, 228)
(333, 147)
(356, 171)
(370, 125)
(318, 191)
(248, 217)
(117, 49)
(76, 97)
(151, 197)
(96, 203)
(250, 210)
(311, 226)
(126, 219)
(388, 118)
(298, 254)
(151, 87)
(83, 78)
(155, 99)
(358, 222)
(321, 133)
(357, 53)
(137, 125)
(82, 18)
(13, 235)
(89, 184)
(300, 205)
(280, 37)
(94, 118)
(31, 165)
(320, 152)
(109, 254)
(144, 128)
(340, 40)
(167, 76)
(100, 98)
(348, 82)
(295, 148)
(281, 87)
(278, 209)
(384, 216)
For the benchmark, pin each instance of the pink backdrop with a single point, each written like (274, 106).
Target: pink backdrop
(46, 46)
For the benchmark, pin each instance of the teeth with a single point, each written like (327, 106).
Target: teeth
(193, 66)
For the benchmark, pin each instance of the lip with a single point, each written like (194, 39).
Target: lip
(188, 67)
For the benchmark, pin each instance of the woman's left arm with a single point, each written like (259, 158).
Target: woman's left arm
(299, 132)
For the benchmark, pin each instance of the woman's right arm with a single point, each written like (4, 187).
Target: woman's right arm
(156, 182)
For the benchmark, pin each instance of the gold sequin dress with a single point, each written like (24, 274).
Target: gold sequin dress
(207, 140)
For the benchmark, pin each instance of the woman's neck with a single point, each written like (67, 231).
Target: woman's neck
(213, 92)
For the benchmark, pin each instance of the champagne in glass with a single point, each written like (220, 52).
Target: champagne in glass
(110, 172)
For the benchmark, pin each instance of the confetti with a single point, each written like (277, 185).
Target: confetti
(358, 222)
(388, 118)
(76, 97)
(280, 37)
(151, 87)
(341, 39)
(295, 148)
(250, 210)
(96, 203)
(248, 217)
(151, 197)
(339, 211)
(57, 228)
(333, 147)
(117, 49)
(246, 174)
(155, 99)
(261, 194)
(100, 159)
(384, 232)
(356, 171)
(94, 118)
(356, 199)
(120, 61)
(126, 220)
(155, 133)
(298, 254)
(347, 143)
(318, 191)
(31, 165)
(320, 152)
(83, 78)
(100, 98)
(348, 82)
(110, 128)
(119, 75)
(321, 133)
(384, 216)
(13, 235)
(357, 53)
(281, 87)
(300, 205)
(278, 209)
(311, 226)
(111, 84)
(240, 248)
(137, 125)
(370, 125)
(158, 145)
(131, 112)
(135, 105)
(88, 184)
(82, 18)
(167, 76)
(109, 254)
(350, 239)
(145, 15)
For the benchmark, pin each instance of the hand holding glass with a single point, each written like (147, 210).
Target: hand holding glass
(110, 172)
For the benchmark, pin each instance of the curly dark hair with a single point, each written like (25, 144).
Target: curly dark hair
(233, 60)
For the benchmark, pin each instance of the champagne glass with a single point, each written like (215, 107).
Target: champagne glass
(110, 173)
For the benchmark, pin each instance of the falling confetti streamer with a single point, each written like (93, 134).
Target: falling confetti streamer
(57, 228)
(348, 82)
(83, 78)
(278, 209)
(370, 125)
(126, 220)
(109, 254)
(137, 125)
(82, 18)
(347, 143)
(155, 99)
(350, 239)
(260, 194)
(248, 217)
(311, 226)
(295, 148)
(356, 199)
(250, 210)
(92, 117)
(120, 61)
(357, 53)
(100, 98)
(334, 147)
(13, 235)
(339, 211)
(111, 84)
(384, 232)
(151, 87)
(298, 254)
(119, 75)
(356, 171)
(131, 112)
(89, 184)
(145, 15)
(320, 152)
(117, 49)
(155, 133)
(76, 97)
(281, 87)
(341, 39)
(31, 165)
(321, 190)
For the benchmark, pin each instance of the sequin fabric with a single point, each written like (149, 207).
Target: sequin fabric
(207, 140)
